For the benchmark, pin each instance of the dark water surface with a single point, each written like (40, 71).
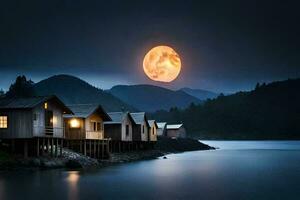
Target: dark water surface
(238, 170)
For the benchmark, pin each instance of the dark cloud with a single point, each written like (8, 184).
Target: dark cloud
(224, 45)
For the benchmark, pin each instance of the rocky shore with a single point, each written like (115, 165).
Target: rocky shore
(72, 160)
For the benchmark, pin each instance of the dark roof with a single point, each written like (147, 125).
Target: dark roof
(30, 102)
(139, 117)
(174, 126)
(118, 117)
(85, 110)
(152, 122)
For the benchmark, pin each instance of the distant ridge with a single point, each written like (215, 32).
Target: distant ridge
(152, 98)
(73, 90)
(199, 93)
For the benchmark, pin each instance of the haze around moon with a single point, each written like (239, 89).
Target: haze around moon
(162, 64)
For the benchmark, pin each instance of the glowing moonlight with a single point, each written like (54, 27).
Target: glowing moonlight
(162, 63)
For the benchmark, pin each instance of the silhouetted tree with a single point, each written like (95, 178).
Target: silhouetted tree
(21, 88)
(257, 86)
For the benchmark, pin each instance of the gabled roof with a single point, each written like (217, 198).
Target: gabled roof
(30, 102)
(161, 124)
(139, 117)
(85, 110)
(174, 126)
(152, 122)
(118, 117)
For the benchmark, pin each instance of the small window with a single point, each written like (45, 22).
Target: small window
(96, 126)
(46, 105)
(127, 130)
(34, 116)
(3, 122)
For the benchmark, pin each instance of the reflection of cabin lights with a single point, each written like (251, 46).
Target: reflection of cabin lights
(46, 105)
(74, 123)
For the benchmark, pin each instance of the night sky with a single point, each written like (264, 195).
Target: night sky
(224, 46)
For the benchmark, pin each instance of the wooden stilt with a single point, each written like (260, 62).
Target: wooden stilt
(47, 146)
(90, 148)
(43, 147)
(98, 149)
(56, 147)
(80, 148)
(51, 147)
(38, 147)
(25, 148)
(84, 147)
(107, 148)
(61, 146)
(102, 150)
(95, 156)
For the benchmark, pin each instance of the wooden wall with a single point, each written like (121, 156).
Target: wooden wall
(125, 122)
(19, 124)
(152, 133)
(113, 131)
(74, 133)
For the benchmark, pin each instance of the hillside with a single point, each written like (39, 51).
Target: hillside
(268, 112)
(152, 98)
(200, 94)
(73, 90)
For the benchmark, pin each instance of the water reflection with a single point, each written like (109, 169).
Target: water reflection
(72, 179)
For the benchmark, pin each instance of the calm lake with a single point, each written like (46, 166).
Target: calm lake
(238, 170)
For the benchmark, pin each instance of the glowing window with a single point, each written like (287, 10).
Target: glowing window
(74, 123)
(3, 121)
(46, 105)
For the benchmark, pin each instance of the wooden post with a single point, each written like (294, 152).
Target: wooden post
(51, 147)
(84, 147)
(38, 147)
(90, 148)
(107, 149)
(48, 144)
(43, 143)
(80, 148)
(102, 150)
(95, 148)
(56, 147)
(25, 148)
(98, 149)
(61, 146)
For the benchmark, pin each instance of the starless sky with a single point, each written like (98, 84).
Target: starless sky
(224, 45)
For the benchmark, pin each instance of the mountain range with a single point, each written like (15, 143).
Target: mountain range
(200, 94)
(151, 98)
(270, 111)
(73, 90)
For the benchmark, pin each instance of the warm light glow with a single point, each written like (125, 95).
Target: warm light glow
(162, 63)
(46, 105)
(3, 121)
(74, 123)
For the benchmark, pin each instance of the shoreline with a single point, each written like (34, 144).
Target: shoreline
(73, 160)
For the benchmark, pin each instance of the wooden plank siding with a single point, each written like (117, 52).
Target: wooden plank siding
(113, 131)
(19, 124)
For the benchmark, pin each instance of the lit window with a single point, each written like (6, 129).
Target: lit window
(74, 123)
(46, 105)
(3, 121)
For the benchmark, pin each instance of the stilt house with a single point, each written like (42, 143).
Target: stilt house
(33, 123)
(141, 127)
(152, 132)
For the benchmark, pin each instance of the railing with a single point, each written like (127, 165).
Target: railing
(94, 134)
(47, 130)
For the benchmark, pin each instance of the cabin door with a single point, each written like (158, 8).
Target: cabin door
(49, 122)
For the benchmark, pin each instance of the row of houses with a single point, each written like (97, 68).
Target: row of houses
(44, 125)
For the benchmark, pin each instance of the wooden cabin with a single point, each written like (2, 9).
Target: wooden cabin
(152, 132)
(33, 123)
(176, 131)
(161, 129)
(120, 130)
(141, 127)
(84, 130)
(86, 123)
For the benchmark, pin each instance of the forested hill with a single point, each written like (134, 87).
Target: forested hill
(73, 90)
(269, 112)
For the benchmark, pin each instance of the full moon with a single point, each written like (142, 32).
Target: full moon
(162, 63)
